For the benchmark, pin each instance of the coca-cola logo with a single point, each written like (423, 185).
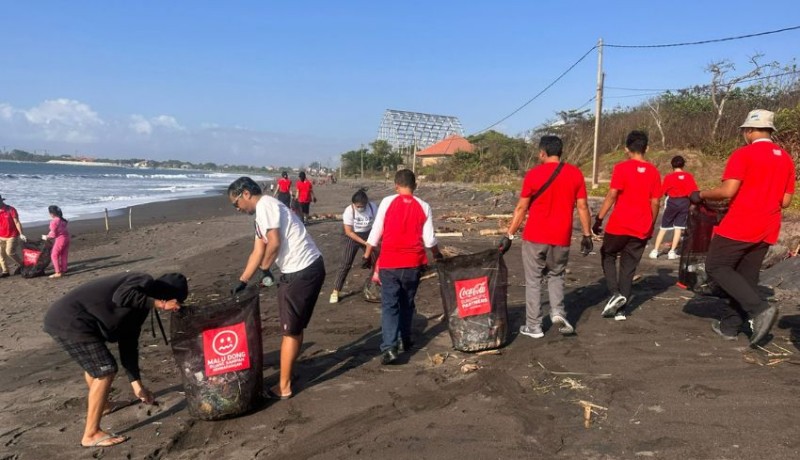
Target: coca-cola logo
(472, 296)
(473, 291)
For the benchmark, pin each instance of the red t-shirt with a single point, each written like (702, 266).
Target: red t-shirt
(7, 227)
(284, 185)
(404, 228)
(303, 191)
(679, 184)
(767, 173)
(638, 182)
(550, 215)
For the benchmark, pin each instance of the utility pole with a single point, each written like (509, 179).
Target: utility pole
(598, 109)
(362, 161)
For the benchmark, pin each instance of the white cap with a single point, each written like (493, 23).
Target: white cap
(762, 119)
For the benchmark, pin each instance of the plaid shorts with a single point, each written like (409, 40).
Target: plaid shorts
(93, 357)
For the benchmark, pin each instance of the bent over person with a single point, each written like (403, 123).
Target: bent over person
(549, 195)
(759, 180)
(110, 309)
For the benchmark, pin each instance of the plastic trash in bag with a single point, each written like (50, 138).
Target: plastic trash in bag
(35, 258)
(473, 289)
(217, 347)
(700, 226)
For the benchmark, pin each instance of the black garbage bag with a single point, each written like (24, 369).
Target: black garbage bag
(217, 347)
(35, 258)
(372, 286)
(473, 289)
(702, 221)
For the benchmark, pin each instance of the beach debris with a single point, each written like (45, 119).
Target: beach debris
(428, 276)
(452, 251)
(492, 231)
(571, 384)
(469, 367)
(588, 409)
(584, 374)
(489, 352)
(448, 234)
(438, 358)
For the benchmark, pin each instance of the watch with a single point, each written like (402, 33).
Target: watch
(510, 236)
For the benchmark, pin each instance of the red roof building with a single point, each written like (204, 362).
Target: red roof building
(444, 149)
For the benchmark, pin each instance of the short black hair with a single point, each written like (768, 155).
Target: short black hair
(405, 178)
(552, 145)
(244, 183)
(360, 197)
(302, 175)
(677, 161)
(284, 174)
(636, 142)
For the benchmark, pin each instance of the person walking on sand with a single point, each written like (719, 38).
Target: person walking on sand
(634, 194)
(759, 180)
(305, 195)
(10, 237)
(60, 236)
(283, 239)
(677, 187)
(284, 190)
(404, 228)
(550, 193)
(357, 221)
(110, 309)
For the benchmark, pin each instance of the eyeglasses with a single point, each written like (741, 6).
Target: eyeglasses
(235, 203)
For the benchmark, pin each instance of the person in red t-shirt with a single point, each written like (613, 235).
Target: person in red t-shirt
(10, 236)
(634, 194)
(759, 180)
(305, 195)
(403, 227)
(283, 192)
(547, 233)
(677, 186)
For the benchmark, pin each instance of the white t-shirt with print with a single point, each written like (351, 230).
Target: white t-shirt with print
(361, 221)
(297, 250)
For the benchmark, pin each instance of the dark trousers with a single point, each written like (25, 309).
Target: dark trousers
(735, 265)
(349, 251)
(398, 288)
(629, 249)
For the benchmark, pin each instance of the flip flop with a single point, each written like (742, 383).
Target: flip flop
(272, 395)
(99, 442)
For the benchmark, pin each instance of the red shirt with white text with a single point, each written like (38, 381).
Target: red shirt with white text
(679, 184)
(638, 182)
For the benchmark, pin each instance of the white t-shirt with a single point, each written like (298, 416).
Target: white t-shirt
(297, 250)
(361, 221)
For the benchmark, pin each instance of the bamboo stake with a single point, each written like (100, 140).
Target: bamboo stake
(106, 218)
(130, 218)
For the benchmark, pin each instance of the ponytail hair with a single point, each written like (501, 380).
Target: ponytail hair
(360, 197)
(56, 211)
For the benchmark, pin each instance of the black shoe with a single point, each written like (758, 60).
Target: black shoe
(762, 323)
(389, 356)
(716, 327)
(404, 345)
(4, 275)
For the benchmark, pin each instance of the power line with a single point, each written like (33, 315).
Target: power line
(539, 93)
(765, 77)
(704, 42)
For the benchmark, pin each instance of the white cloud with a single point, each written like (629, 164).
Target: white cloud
(140, 125)
(64, 120)
(168, 122)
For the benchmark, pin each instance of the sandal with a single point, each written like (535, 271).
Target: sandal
(105, 441)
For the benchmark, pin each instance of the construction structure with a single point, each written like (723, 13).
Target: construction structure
(416, 130)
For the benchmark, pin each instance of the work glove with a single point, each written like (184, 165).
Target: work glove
(366, 263)
(597, 228)
(267, 279)
(694, 197)
(44, 237)
(586, 245)
(23, 238)
(314, 199)
(238, 287)
(504, 245)
(438, 257)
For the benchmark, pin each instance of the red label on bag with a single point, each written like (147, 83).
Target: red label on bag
(30, 257)
(225, 349)
(472, 297)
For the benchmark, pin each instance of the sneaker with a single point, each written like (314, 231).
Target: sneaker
(389, 356)
(564, 326)
(762, 323)
(531, 331)
(654, 254)
(334, 297)
(620, 315)
(616, 302)
(671, 255)
(716, 327)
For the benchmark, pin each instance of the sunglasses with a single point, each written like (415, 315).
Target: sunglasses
(235, 203)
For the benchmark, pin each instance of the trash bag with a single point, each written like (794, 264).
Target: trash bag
(700, 227)
(217, 347)
(473, 289)
(372, 287)
(35, 258)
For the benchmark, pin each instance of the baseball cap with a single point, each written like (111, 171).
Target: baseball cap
(761, 119)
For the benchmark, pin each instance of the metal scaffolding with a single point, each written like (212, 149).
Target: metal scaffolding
(405, 129)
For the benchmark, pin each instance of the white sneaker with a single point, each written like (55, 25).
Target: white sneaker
(334, 297)
(654, 254)
(620, 315)
(564, 326)
(672, 256)
(531, 331)
(616, 302)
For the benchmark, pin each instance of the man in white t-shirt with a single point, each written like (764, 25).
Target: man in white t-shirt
(281, 238)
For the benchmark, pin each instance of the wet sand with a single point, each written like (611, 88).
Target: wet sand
(669, 387)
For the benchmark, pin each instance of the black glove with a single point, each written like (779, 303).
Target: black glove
(586, 245)
(597, 228)
(238, 287)
(694, 197)
(267, 279)
(366, 263)
(504, 245)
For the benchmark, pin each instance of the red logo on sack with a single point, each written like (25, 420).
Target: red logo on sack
(30, 256)
(225, 349)
(472, 297)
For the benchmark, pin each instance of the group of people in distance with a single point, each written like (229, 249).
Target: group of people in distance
(303, 197)
(758, 180)
(12, 237)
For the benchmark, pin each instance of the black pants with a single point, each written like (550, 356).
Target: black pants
(630, 250)
(735, 265)
(349, 251)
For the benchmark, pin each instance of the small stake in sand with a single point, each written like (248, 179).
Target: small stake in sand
(130, 218)
(588, 408)
(106, 214)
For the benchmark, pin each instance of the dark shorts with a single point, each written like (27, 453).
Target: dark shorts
(304, 207)
(676, 213)
(297, 295)
(285, 198)
(93, 357)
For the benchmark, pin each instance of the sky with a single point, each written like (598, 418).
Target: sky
(292, 82)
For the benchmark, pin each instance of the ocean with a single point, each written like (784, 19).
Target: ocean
(86, 191)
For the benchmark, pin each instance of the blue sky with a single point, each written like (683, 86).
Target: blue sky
(260, 82)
